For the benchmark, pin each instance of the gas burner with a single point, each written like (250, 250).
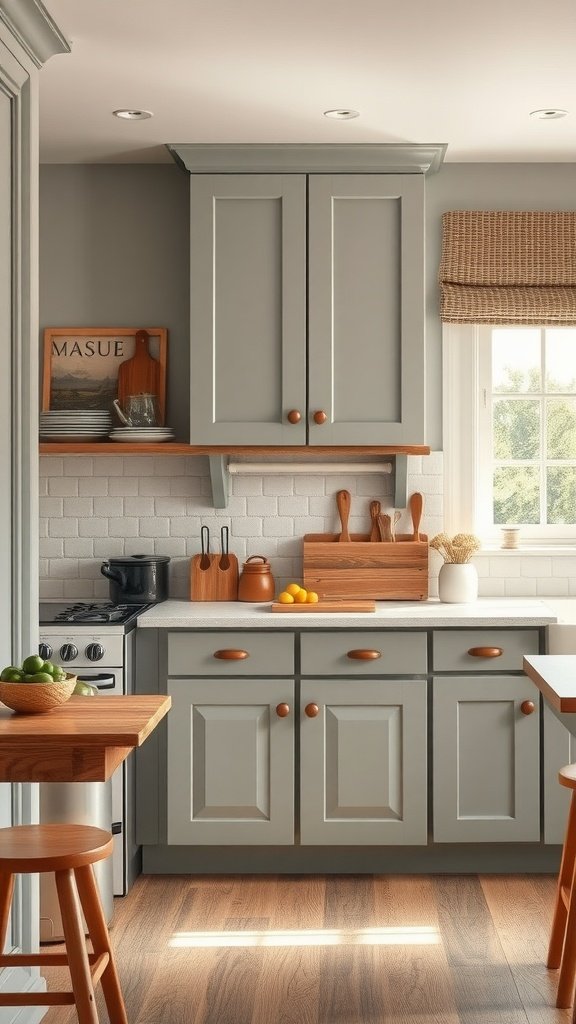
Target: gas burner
(88, 612)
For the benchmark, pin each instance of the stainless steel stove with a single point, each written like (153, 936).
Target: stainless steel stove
(96, 640)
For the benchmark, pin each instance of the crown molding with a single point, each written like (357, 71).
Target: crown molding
(34, 29)
(321, 158)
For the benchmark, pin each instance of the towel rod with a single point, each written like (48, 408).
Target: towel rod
(293, 468)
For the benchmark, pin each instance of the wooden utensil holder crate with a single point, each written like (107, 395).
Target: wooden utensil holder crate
(360, 568)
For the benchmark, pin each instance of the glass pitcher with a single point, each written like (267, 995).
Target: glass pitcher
(138, 410)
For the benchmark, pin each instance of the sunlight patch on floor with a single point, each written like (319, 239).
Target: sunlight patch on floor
(412, 936)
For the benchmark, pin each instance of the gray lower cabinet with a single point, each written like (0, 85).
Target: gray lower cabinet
(486, 764)
(231, 762)
(307, 309)
(363, 770)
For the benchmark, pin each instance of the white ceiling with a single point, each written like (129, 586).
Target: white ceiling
(419, 71)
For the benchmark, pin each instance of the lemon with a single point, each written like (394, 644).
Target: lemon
(311, 597)
(300, 597)
(293, 589)
(285, 598)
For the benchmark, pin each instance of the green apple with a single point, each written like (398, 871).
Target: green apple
(41, 677)
(7, 674)
(33, 664)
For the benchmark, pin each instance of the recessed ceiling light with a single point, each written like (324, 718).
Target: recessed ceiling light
(133, 115)
(548, 114)
(342, 114)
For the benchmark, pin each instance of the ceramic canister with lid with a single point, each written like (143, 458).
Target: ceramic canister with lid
(256, 581)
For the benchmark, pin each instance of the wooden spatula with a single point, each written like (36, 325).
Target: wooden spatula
(416, 504)
(343, 500)
(139, 375)
(374, 513)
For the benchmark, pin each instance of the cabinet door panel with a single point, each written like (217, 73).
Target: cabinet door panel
(230, 763)
(363, 763)
(248, 308)
(486, 760)
(366, 308)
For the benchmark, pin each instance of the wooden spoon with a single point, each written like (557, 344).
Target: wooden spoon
(374, 513)
(385, 525)
(416, 503)
(343, 501)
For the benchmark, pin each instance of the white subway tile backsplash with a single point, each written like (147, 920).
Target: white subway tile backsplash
(125, 526)
(92, 527)
(155, 487)
(98, 507)
(155, 526)
(61, 486)
(94, 486)
(80, 507)
(108, 507)
(78, 547)
(64, 527)
(123, 486)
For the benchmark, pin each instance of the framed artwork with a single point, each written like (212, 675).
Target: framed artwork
(82, 365)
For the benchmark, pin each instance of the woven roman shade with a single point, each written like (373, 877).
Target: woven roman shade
(508, 267)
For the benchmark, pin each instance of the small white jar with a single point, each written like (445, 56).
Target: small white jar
(458, 582)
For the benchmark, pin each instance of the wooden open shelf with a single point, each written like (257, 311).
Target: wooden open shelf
(180, 448)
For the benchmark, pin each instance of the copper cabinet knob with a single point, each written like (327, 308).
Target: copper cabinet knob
(320, 417)
(527, 707)
(485, 652)
(231, 654)
(363, 655)
(282, 710)
(294, 416)
(311, 710)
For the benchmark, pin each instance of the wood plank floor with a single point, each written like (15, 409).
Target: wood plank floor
(336, 949)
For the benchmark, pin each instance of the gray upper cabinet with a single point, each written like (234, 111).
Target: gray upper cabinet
(307, 309)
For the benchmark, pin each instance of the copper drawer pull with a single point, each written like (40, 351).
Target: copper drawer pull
(282, 710)
(294, 416)
(527, 707)
(363, 655)
(485, 652)
(311, 710)
(230, 654)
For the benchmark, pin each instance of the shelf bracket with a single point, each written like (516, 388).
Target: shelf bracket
(401, 482)
(219, 479)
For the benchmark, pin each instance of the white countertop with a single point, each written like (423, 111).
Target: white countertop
(241, 615)
(555, 677)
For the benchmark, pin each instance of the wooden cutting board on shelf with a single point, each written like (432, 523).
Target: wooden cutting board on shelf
(140, 375)
(326, 606)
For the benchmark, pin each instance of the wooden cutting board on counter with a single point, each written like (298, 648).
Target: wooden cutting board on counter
(326, 606)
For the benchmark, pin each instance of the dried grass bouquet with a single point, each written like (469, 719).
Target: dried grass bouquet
(458, 549)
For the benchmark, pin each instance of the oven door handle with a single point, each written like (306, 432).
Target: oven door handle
(102, 680)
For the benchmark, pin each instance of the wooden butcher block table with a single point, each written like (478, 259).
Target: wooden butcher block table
(84, 740)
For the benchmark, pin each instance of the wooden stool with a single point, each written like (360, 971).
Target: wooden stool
(562, 948)
(69, 851)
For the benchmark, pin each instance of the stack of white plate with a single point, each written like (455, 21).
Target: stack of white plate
(148, 435)
(75, 425)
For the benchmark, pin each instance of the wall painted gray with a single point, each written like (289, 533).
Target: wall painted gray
(114, 250)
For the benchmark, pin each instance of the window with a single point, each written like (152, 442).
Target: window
(510, 430)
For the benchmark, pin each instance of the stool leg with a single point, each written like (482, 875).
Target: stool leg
(6, 891)
(98, 931)
(76, 948)
(564, 881)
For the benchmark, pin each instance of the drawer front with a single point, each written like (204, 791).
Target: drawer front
(482, 650)
(372, 654)
(230, 654)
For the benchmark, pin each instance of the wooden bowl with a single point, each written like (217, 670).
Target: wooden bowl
(36, 698)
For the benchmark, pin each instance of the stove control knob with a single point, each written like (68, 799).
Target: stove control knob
(95, 652)
(68, 652)
(45, 651)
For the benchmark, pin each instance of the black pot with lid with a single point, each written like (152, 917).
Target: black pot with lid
(137, 579)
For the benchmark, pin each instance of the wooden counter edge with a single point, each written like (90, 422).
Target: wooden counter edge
(562, 704)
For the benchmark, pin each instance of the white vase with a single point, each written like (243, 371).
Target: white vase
(458, 582)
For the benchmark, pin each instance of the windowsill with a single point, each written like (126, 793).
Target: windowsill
(528, 550)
